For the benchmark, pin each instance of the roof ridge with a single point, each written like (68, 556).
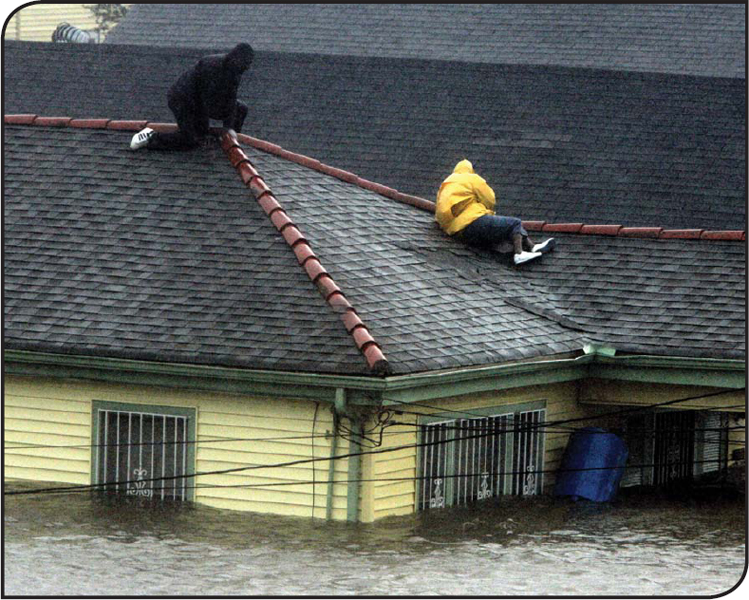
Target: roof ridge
(306, 257)
(612, 230)
(428, 205)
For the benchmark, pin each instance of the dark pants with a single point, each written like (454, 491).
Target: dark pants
(491, 230)
(191, 127)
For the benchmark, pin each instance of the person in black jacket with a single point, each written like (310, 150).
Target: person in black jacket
(206, 91)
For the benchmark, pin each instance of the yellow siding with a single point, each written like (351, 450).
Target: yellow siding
(602, 392)
(39, 415)
(232, 433)
(36, 23)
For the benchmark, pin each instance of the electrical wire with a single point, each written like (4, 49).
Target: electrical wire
(261, 486)
(352, 454)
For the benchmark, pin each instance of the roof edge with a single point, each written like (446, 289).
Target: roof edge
(308, 260)
(610, 230)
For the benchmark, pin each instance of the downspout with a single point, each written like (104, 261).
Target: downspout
(338, 407)
(354, 472)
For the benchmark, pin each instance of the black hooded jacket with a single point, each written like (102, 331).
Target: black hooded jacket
(209, 89)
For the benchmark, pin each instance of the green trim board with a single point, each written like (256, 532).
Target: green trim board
(190, 414)
(398, 389)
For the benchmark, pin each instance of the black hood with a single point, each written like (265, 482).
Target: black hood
(240, 58)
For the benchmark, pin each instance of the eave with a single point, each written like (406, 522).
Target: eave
(391, 390)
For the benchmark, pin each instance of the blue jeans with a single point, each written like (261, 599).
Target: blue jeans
(491, 230)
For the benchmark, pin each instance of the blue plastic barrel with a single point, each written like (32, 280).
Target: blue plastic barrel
(592, 466)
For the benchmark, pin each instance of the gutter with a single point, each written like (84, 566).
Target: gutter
(370, 390)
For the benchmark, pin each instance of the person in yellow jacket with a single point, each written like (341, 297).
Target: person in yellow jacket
(466, 209)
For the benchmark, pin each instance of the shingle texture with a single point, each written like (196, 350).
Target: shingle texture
(702, 39)
(166, 256)
(557, 144)
(152, 256)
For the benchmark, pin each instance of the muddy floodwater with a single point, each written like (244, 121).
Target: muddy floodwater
(92, 545)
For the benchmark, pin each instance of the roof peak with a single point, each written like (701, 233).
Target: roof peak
(613, 230)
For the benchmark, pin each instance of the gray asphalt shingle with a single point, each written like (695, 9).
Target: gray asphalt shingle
(698, 39)
(558, 145)
(165, 256)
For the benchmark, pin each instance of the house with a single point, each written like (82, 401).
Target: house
(251, 313)
(293, 335)
(37, 21)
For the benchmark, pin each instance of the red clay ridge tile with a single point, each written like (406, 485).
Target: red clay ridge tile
(351, 320)
(314, 269)
(640, 232)
(280, 219)
(414, 201)
(534, 225)
(247, 172)
(258, 187)
(303, 253)
(562, 227)
(680, 234)
(127, 125)
(228, 139)
(260, 144)
(19, 119)
(269, 204)
(362, 337)
(376, 360)
(735, 236)
(339, 174)
(327, 287)
(52, 121)
(89, 123)
(292, 236)
(163, 127)
(338, 302)
(236, 155)
(600, 229)
(377, 188)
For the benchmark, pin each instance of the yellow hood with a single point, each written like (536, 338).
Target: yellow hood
(464, 166)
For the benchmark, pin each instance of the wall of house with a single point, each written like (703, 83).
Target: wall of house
(393, 498)
(37, 22)
(53, 412)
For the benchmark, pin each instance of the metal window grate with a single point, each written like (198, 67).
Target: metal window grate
(135, 447)
(468, 460)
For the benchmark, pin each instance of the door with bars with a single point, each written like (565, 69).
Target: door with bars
(143, 454)
(674, 446)
(468, 460)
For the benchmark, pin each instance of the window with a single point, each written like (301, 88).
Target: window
(667, 446)
(468, 460)
(144, 451)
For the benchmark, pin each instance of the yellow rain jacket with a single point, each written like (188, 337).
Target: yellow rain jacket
(462, 198)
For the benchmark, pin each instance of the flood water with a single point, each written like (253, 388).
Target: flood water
(644, 546)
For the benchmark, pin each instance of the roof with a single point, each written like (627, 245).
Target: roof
(199, 257)
(697, 39)
(557, 144)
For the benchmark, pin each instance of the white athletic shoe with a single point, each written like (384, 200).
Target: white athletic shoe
(141, 138)
(524, 257)
(545, 247)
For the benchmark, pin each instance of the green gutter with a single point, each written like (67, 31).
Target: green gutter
(397, 389)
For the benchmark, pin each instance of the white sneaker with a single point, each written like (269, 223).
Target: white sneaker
(545, 247)
(524, 257)
(141, 138)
